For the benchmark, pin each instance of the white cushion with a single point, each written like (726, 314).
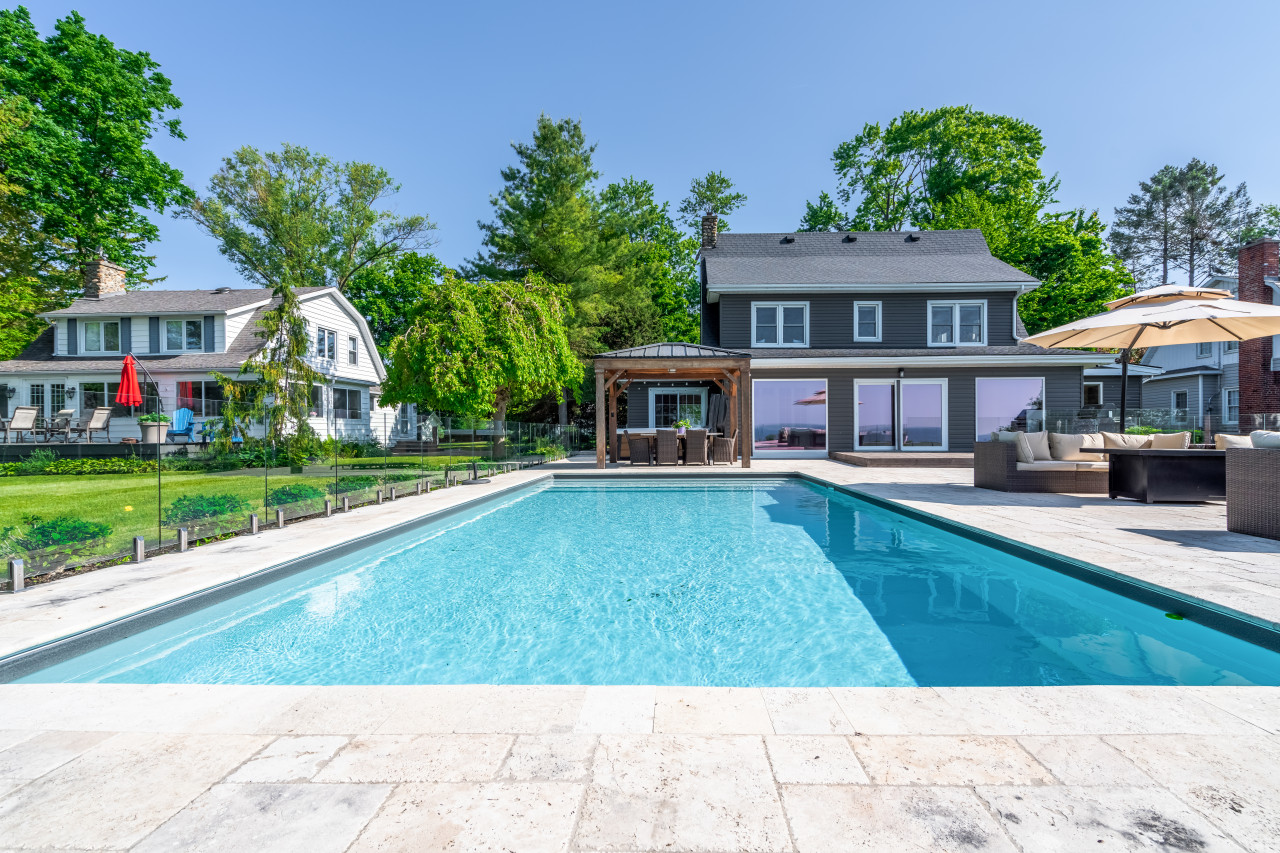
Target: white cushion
(1171, 441)
(1092, 466)
(1120, 440)
(1223, 440)
(1048, 465)
(1039, 443)
(1264, 438)
(1070, 447)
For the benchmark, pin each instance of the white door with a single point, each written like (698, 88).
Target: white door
(900, 414)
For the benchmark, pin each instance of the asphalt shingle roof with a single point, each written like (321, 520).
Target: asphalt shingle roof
(891, 353)
(165, 302)
(875, 257)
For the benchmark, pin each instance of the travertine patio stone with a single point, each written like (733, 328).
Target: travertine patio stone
(947, 760)
(1073, 819)
(339, 710)
(520, 709)
(418, 758)
(280, 818)
(1201, 759)
(805, 711)
(1250, 814)
(530, 817)
(556, 758)
(682, 793)
(123, 788)
(711, 710)
(900, 710)
(834, 819)
(1116, 709)
(1254, 704)
(36, 756)
(617, 710)
(290, 759)
(814, 760)
(1083, 760)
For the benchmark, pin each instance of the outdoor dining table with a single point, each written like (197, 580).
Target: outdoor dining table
(680, 443)
(1154, 475)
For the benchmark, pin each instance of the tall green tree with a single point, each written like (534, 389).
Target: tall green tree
(713, 193)
(386, 293)
(296, 218)
(82, 159)
(476, 348)
(823, 215)
(900, 174)
(1145, 231)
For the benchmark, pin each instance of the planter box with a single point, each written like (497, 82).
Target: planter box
(153, 433)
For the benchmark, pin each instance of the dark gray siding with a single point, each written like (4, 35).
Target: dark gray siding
(637, 401)
(1063, 390)
(1111, 391)
(904, 322)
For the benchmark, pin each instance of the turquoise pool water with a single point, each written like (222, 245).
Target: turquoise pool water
(752, 583)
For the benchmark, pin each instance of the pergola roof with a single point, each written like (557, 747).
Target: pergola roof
(673, 350)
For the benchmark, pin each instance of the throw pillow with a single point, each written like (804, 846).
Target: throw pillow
(1070, 447)
(1265, 438)
(1039, 444)
(1171, 440)
(1025, 452)
(1223, 440)
(1120, 439)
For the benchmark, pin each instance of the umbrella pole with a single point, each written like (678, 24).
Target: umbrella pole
(1124, 384)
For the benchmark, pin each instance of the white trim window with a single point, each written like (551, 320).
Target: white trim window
(1231, 346)
(867, 322)
(1093, 393)
(779, 324)
(957, 324)
(669, 405)
(326, 343)
(353, 350)
(789, 418)
(183, 335)
(1008, 404)
(1204, 349)
(100, 336)
(346, 404)
(1231, 406)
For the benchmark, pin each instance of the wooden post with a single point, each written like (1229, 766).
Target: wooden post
(733, 410)
(600, 412)
(748, 431)
(613, 421)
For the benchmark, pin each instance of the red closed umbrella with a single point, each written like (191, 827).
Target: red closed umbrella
(129, 393)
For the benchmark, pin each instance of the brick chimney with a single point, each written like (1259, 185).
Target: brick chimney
(103, 278)
(1259, 266)
(710, 227)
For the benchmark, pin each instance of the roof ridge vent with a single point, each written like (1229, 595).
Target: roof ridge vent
(850, 238)
(222, 290)
(913, 236)
(789, 238)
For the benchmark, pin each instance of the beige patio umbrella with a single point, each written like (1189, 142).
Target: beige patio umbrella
(1163, 319)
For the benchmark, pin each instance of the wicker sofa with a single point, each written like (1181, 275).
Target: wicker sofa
(1252, 474)
(996, 466)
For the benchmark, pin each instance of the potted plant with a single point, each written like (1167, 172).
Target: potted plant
(153, 427)
(681, 426)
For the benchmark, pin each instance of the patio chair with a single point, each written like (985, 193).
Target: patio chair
(23, 420)
(183, 424)
(209, 429)
(60, 424)
(667, 451)
(99, 421)
(723, 448)
(639, 449)
(695, 447)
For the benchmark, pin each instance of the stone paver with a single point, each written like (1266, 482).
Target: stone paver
(947, 760)
(418, 758)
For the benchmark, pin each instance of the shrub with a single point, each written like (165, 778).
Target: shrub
(37, 461)
(297, 493)
(353, 484)
(1142, 430)
(51, 543)
(192, 508)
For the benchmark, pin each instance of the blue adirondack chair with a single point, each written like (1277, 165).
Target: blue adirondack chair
(209, 429)
(183, 424)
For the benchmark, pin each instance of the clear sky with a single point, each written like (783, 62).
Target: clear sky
(435, 93)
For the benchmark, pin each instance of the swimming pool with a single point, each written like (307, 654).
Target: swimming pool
(760, 582)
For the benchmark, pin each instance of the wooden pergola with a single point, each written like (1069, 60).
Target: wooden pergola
(729, 371)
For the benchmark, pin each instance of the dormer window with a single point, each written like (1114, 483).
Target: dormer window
(184, 335)
(101, 336)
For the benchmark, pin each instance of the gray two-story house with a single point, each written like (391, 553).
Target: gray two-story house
(880, 341)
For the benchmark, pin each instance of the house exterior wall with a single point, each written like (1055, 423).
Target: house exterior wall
(1259, 383)
(325, 311)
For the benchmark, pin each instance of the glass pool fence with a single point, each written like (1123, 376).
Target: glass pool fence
(73, 496)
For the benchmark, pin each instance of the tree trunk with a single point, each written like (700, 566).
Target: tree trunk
(500, 402)
(562, 411)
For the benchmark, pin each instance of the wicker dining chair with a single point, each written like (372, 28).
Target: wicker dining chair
(667, 451)
(695, 447)
(723, 447)
(639, 448)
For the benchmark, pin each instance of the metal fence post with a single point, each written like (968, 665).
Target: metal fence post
(378, 497)
(280, 518)
(328, 507)
(253, 523)
(391, 493)
(17, 575)
(184, 541)
(139, 549)
(346, 503)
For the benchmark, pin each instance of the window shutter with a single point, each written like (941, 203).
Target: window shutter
(126, 334)
(153, 330)
(73, 342)
(208, 333)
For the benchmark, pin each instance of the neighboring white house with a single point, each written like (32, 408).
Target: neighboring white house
(182, 337)
(1197, 380)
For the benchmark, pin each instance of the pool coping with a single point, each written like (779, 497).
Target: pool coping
(1226, 620)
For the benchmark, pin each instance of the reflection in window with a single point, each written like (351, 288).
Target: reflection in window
(790, 414)
(1009, 405)
(204, 399)
(672, 406)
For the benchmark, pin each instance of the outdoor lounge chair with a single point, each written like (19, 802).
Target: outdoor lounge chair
(60, 424)
(638, 448)
(23, 420)
(209, 429)
(183, 424)
(996, 466)
(667, 451)
(99, 421)
(695, 447)
(723, 447)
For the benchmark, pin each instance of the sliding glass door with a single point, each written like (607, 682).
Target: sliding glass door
(900, 414)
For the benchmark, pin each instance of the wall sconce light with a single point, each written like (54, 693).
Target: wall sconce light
(71, 391)
(902, 371)
(10, 391)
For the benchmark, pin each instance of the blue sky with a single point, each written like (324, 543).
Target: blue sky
(764, 92)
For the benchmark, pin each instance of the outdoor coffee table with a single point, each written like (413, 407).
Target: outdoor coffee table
(1154, 476)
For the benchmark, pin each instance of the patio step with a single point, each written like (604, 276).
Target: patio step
(899, 459)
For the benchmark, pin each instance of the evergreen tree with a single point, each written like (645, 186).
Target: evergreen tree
(823, 216)
(1145, 231)
(712, 193)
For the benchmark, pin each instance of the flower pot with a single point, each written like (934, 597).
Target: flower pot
(679, 430)
(153, 433)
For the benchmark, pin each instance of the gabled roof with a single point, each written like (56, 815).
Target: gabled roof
(167, 302)
(857, 258)
(673, 350)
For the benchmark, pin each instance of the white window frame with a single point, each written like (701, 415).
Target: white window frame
(164, 333)
(353, 351)
(1226, 406)
(779, 306)
(83, 332)
(322, 350)
(676, 389)
(1207, 351)
(1230, 347)
(896, 385)
(1101, 394)
(954, 304)
(1044, 401)
(793, 454)
(879, 306)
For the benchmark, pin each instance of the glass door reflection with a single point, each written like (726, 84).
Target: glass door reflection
(903, 414)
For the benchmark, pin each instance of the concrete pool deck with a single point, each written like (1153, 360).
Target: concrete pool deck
(159, 767)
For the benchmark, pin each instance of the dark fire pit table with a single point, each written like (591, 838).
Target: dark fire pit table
(1153, 476)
